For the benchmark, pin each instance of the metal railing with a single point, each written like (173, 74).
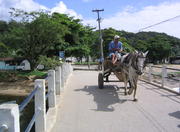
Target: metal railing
(55, 80)
(164, 75)
(27, 100)
(31, 123)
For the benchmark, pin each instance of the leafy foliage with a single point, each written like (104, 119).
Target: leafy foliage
(49, 63)
(36, 34)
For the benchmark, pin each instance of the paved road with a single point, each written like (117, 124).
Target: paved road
(85, 108)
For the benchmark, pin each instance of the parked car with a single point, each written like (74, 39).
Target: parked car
(40, 67)
(24, 65)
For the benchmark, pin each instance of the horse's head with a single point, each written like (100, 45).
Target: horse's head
(140, 62)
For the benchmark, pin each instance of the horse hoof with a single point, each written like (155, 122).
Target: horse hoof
(135, 100)
(130, 92)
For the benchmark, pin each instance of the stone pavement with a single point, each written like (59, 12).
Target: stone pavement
(85, 108)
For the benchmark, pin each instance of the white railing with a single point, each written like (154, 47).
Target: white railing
(10, 113)
(161, 76)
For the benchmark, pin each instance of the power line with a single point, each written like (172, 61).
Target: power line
(159, 23)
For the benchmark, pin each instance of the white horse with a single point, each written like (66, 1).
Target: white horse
(131, 65)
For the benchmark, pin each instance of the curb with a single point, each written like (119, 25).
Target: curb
(165, 87)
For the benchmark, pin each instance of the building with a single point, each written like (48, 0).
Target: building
(11, 63)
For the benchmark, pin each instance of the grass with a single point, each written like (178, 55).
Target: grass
(32, 73)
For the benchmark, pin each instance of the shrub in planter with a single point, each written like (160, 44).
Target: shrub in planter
(49, 63)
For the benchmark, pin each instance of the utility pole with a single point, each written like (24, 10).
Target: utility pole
(100, 36)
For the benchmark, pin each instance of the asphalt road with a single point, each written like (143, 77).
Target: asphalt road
(85, 108)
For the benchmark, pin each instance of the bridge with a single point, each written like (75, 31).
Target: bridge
(83, 107)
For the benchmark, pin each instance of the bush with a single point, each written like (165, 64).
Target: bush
(4, 75)
(49, 63)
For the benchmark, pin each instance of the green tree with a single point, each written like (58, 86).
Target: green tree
(158, 49)
(39, 33)
(108, 35)
(3, 26)
(38, 36)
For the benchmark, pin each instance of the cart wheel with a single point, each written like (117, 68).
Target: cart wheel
(100, 81)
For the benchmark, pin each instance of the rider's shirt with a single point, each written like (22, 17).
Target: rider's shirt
(112, 45)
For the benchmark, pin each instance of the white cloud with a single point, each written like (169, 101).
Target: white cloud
(27, 5)
(62, 8)
(132, 20)
(129, 19)
(30, 5)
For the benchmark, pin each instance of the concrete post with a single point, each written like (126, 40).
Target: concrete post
(62, 77)
(71, 69)
(40, 106)
(51, 88)
(65, 73)
(9, 118)
(164, 75)
(150, 73)
(58, 80)
(66, 69)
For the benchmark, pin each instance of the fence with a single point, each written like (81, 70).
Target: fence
(10, 113)
(164, 77)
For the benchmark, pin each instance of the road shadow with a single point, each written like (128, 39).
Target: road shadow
(106, 97)
(176, 115)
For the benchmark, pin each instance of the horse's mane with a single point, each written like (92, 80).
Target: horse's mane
(131, 57)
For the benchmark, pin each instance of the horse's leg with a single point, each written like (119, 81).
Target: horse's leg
(135, 88)
(125, 84)
(131, 88)
(135, 99)
(132, 85)
(131, 80)
(125, 80)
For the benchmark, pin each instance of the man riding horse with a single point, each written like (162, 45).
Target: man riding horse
(115, 49)
(128, 68)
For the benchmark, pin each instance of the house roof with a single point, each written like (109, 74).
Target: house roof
(11, 59)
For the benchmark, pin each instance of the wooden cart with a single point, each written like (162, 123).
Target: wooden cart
(108, 69)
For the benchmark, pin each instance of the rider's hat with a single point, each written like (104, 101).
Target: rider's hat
(116, 37)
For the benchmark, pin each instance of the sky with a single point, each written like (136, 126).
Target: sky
(128, 15)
